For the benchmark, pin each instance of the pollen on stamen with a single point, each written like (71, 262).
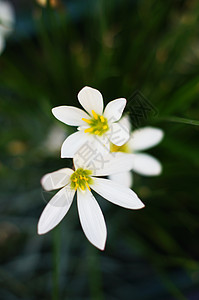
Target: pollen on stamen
(87, 185)
(87, 120)
(102, 119)
(82, 187)
(88, 130)
(94, 115)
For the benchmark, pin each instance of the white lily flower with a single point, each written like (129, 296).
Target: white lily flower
(97, 126)
(143, 164)
(7, 19)
(83, 180)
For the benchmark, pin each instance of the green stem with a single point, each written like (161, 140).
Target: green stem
(95, 275)
(55, 258)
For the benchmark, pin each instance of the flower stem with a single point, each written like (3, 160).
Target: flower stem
(55, 258)
(95, 275)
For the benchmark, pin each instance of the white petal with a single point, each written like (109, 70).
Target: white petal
(91, 99)
(112, 163)
(70, 115)
(55, 210)
(7, 17)
(116, 193)
(146, 164)
(125, 121)
(124, 178)
(91, 219)
(2, 43)
(73, 144)
(114, 109)
(118, 134)
(145, 138)
(57, 179)
(91, 154)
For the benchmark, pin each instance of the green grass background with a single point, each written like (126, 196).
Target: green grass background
(116, 47)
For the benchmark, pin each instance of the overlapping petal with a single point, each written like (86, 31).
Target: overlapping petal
(112, 163)
(118, 134)
(57, 179)
(70, 115)
(124, 178)
(55, 210)
(145, 138)
(92, 219)
(114, 109)
(116, 193)
(146, 164)
(73, 144)
(91, 99)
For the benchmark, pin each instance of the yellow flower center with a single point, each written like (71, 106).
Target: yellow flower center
(124, 148)
(98, 124)
(81, 179)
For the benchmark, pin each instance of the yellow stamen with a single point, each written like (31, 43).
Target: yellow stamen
(85, 178)
(76, 187)
(105, 127)
(87, 121)
(82, 187)
(80, 176)
(88, 130)
(97, 132)
(88, 186)
(102, 119)
(75, 180)
(94, 115)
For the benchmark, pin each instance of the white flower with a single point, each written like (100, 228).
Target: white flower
(83, 180)
(143, 164)
(54, 138)
(7, 18)
(95, 126)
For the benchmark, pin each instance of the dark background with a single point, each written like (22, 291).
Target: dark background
(117, 47)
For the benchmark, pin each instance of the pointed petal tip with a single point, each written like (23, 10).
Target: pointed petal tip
(102, 245)
(39, 230)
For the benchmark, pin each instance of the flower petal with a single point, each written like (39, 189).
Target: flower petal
(70, 115)
(92, 219)
(114, 109)
(118, 134)
(91, 154)
(57, 179)
(2, 43)
(125, 121)
(146, 164)
(112, 163)
(116, 193)
(73, 143)
(145, 138)
(124, 178)
(7, 17)
(55, 210)
(91, 99)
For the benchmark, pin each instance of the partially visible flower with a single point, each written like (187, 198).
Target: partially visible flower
(82, 180)
(143, 164)
(55, 137)
(7, 19)
(97, 126)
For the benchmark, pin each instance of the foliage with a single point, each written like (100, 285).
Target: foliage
(116, 47)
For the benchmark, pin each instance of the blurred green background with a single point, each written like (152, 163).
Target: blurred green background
(117, 47)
